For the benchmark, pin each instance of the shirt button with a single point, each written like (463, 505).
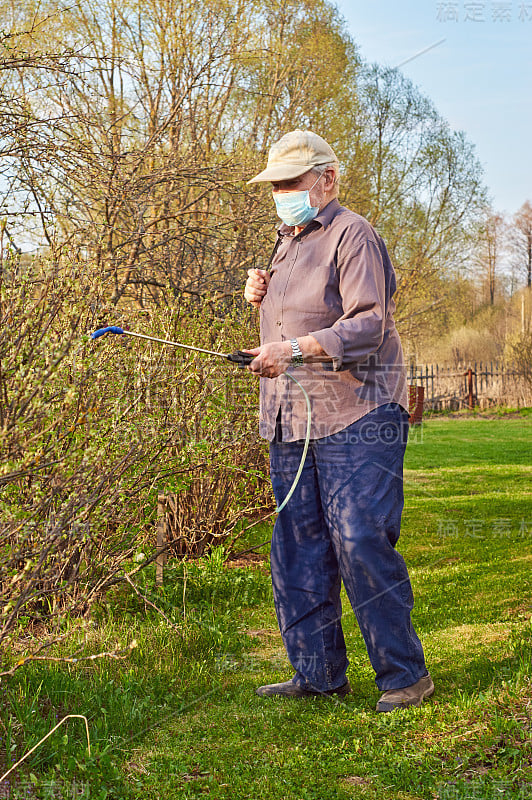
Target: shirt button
(278, 323)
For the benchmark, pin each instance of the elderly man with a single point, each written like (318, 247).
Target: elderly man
(326, 311)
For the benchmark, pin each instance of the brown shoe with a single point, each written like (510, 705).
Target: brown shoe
(291, 689)
(409, 696)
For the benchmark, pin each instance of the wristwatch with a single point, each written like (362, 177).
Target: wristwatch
(297, 355)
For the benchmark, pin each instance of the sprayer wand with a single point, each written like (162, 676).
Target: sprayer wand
(238, 357)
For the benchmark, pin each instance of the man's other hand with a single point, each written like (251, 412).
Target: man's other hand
(256, 286)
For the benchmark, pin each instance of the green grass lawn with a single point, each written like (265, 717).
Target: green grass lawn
(179, 718)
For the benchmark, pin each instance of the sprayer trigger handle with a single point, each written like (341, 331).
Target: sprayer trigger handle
(240, 358)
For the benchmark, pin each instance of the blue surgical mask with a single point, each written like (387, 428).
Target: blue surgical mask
(294, 208)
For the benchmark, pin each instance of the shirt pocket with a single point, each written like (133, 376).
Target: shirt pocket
(313, 293)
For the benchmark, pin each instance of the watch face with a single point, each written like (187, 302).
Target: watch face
(297, 355)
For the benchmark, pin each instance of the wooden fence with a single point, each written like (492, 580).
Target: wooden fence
(479, 384)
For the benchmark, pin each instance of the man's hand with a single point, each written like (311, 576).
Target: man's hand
(271, 359)
(256, 286)
(274, 358)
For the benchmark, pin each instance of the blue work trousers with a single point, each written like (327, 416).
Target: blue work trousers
(342, 524)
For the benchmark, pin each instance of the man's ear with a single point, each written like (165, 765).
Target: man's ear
(329, 179)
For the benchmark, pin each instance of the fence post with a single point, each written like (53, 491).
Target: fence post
(470, 396)
(415, 404)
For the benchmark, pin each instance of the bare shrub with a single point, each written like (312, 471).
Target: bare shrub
(90, 432)
(519, 352)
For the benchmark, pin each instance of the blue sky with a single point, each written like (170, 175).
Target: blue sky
(479, 78)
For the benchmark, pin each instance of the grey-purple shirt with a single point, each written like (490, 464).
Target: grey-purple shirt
(335, 281)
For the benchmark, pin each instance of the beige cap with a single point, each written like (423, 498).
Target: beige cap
(294, 154)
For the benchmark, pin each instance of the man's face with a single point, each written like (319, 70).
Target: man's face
(309, 180)
(299, 184)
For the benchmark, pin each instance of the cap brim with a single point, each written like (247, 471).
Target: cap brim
(282, 172)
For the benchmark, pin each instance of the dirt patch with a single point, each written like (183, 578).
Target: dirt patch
(519, 609)
(356, 780)
(470, 637)
(253, 560)
(261, 632)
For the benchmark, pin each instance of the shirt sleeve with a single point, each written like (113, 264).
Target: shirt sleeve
(362, 286)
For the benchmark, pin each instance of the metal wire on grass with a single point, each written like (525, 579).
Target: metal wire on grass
(24, 757)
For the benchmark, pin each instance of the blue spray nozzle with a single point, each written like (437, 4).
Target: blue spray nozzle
(110, 329)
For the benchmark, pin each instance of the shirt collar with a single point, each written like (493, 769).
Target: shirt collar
(324, 218)
(327, 214)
